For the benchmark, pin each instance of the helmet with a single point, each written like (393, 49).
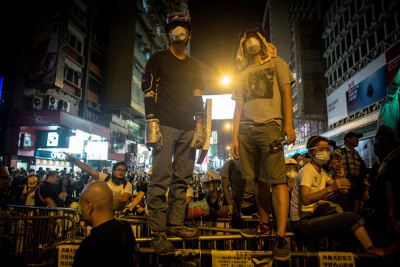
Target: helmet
(140, 173)
(150, 171)
(291, 161)
(177, 19)
(32, 181)
(74, 205)
(211, 176)
(253, 27)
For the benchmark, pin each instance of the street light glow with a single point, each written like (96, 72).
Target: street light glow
(226, 80)
(228, 125)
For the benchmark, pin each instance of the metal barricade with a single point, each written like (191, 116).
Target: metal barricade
(32, 229)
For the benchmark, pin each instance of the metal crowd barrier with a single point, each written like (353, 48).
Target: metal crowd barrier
(33, 229)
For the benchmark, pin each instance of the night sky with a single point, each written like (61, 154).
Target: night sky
(216, 25)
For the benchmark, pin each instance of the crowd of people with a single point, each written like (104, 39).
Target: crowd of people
(327, 191)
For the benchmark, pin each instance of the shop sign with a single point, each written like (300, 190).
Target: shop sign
(57, 155)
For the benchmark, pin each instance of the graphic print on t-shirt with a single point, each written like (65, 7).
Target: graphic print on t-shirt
(260, 84)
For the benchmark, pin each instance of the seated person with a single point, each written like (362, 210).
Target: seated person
(238, 192)
(292, 168)
(215, 199)
(299, 158)
(138, 205)
(313, 184)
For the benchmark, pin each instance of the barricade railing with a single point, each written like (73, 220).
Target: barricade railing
(32, 229)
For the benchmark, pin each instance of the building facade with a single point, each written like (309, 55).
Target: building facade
(70, 81)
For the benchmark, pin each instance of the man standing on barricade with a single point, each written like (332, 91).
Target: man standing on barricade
(262, 92)
(120, 187)
(111, 242)
(172, 85)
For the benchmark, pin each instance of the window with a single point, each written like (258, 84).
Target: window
(75, 43)
(78, 13)
(72, 76)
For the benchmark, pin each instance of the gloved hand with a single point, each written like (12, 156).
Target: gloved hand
(198, 137)
(154, 137)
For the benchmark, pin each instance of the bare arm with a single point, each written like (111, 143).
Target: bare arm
(236, 123)
(227, 192)
(83, 166)
(123, 198)
(137, 199)
(308, 198)
(50, 202)
(286, 92)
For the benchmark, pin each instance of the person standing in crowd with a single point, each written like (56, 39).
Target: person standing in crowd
(111, 242)
(299, 158)
(121, 188)
(215, 200)
(5, 184)
(354, 166)
(28, 194)
(173, 85)
(262, 91)
(292, 168)
(240, 198)
(46, 194)
(313, 184)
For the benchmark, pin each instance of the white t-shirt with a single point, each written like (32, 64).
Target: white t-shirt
(307, 176)
(117, 190)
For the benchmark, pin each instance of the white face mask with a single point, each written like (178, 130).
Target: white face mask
(321, 158)
(291, 175)
(178, 34)
(301, 163)
(208, 189)
(253, 46)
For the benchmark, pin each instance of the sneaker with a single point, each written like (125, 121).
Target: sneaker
(281, 249)
(262, 229)
(161, 245)
(183, 232)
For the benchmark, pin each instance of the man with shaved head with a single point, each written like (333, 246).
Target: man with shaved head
(111, 242)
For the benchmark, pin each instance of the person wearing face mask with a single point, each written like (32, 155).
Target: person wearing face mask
(263, 114)
(313, 184)
(299, 158)
(172, 86)
(292, 168)
(215, 199)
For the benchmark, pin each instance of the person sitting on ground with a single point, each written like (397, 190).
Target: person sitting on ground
(28, 194)
(121, 188)
(215, 199)
(111, 242)
(46, 194)
(312, 185)
(137, 205)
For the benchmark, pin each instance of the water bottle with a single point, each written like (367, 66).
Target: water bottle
(277, 144)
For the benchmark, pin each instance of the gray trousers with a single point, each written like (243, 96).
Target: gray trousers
(338, 223)
(172, 167)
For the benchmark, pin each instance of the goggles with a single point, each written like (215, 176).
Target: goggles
(323, 149)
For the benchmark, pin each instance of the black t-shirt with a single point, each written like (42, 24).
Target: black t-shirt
(142, 188)
(391, 174)
(109, 244)
(45, 190)
(178, 79)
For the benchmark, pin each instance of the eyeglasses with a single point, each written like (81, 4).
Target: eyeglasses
(323, 149)
(120, 170)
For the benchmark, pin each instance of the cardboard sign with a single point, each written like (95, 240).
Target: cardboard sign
(223, 258)
(336, 259)
(66, 255)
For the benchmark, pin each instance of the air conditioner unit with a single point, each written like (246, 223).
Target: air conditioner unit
(64, 105)
(94, 105)
(50, 102)
(36, 102)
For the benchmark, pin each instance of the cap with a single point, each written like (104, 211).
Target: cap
(352, 134)
(32, 182)
(291, 161)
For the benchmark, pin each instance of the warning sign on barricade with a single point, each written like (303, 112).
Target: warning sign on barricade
(336, 259)
(66, 255)
(223, 258)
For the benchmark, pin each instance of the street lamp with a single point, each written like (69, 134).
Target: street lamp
(226, 80)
